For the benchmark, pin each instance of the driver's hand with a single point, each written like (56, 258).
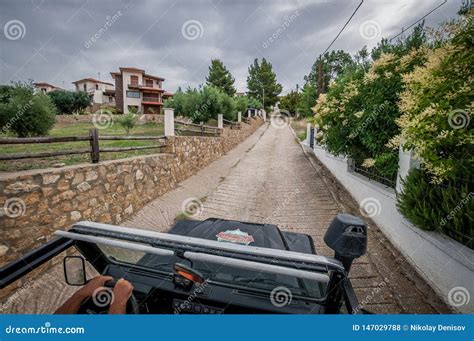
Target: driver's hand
(122, 291)
(91, 286)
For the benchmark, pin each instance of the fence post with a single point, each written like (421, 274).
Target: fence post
(94, 142)
(220, 121)
(169, 122)
(308, 133)
(264, 115)
(405, 164)
(248, 113)
(239, 117)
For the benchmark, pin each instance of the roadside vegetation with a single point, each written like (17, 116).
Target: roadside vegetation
(415, 93)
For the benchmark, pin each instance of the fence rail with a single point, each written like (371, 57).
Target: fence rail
(94, 148)
(231, 124)
(188, 128)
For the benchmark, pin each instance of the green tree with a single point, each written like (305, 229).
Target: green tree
(332, 64)
(220, 77)
(307, 100)
(290, 102)
(128, 121)
(262, 83)
(69, 102)
(27, 113)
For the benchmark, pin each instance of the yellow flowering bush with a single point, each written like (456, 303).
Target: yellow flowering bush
(437, 106)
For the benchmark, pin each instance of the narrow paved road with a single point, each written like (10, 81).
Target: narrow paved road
(269, 178)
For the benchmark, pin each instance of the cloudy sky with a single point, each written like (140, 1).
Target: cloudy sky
(59, 41)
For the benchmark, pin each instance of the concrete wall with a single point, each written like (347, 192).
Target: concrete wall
(444, 263)
(107, 192)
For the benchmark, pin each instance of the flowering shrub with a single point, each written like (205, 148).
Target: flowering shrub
(437, 105)
(357, 115)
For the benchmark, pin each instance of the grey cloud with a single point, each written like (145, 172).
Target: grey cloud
(148, 34)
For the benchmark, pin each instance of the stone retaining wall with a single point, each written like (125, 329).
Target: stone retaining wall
(107, 192)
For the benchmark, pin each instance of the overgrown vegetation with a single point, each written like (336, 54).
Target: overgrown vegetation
(444, 208)
(25, 113)
(415, 93)
(70, 102)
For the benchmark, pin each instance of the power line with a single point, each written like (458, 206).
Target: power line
(342, 29)
(416, 22)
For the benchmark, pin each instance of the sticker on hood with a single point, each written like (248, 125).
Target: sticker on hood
(235, 236)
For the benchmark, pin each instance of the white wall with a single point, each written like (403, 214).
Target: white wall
(444, 263)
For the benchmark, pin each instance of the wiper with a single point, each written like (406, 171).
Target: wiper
(265, 281)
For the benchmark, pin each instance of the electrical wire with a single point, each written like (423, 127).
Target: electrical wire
(416, 22)
(342, 29)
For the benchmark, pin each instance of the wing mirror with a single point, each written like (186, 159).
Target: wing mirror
(347, 236)
(74, 270)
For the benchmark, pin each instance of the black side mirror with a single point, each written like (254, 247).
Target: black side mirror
(74, 270)
(347, 236)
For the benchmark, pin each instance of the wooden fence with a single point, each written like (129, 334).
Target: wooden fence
(190, 129)
(232, 125)
(94, 148)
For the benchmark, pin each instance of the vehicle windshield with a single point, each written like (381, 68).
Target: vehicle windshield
(221, 273)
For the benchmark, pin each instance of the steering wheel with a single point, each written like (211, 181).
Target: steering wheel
(99, 303)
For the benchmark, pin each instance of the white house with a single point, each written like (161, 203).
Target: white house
(99, 91)
(46, 87)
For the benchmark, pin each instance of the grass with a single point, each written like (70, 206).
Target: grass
(79, 129)
(299, 126)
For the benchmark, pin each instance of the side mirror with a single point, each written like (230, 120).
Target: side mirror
(347, 236)
(74, 270)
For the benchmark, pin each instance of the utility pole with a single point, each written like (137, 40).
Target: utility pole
(263, 98)
(320, 76)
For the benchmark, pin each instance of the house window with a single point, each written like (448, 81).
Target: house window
(84, 87)
(149, 83)
(110, 99)
(133, 94)
(134, 80)
(97, 86)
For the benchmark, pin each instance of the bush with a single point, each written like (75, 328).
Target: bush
(26, 113)
(203, 105)
(128, 121)
(69, 102)
(437, 105)
(445, 207)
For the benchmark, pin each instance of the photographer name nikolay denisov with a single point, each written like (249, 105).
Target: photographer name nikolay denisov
(437, 328)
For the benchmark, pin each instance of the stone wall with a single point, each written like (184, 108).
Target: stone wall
(108, 192)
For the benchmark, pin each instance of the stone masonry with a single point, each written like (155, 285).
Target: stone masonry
(108, 192)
